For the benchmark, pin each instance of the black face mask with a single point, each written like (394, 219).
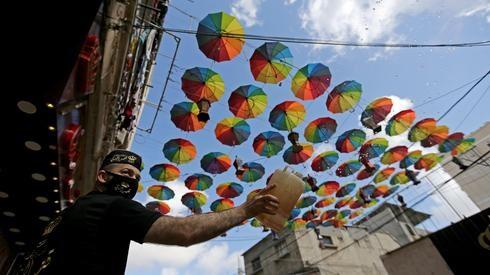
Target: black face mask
(121, 185)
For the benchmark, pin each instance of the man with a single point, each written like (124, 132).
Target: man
(97, 229)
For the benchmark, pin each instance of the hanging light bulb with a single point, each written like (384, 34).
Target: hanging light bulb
(203, 106)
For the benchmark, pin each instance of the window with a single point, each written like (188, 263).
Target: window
(410, 230)
(282, 249)
(256, 265)
(326, 242)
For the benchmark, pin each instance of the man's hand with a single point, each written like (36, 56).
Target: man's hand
(261, 203)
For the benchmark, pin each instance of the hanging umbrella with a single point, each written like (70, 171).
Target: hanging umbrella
(428, 161)
(268, 143)
(311, 81)
(367, 173)
(345, 190)
(311, 214)
(371, 203)
(343, 202)
(394, 154)
(422, 129)
(229, 190)
(463, 147)
(380, 191)
(344, 96)
(305, 201)
(252, 171)
(324, 202)
(213, 40)
(324, 161)
(350, 141)
(160, 192)
(164, 172)
(328, 188)
(355, 204)
(320, 129)
(375, 112)
(436, 137)
(367, 190)
(294, 213)
(383, 174)
(391, 191)
(343, 214)
(329, 214)
(271, 62)
(287, 115)
(179, 150)
(221, 205)
(348, 168)
(247, 101)
(158, 206)
(202, 84)
(215, 163)
(410, 159)
(451, 142)
(373, 148)
(355, 214)
(232, 131)
(194, 200)
(255, 223)
(184, 116)
(400, 122)
(292, 157)
(313, 223)
(296, 224)
(199, 182)
(400, 178)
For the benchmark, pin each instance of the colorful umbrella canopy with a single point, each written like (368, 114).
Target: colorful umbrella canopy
(344, 96)
(229, 190)
(373, 148)
(202, 83)
(215, 163)
(376, 111)
(179, 150)
(422, 129)
(253, 193)
(311, 81)
(451, 142)
(255, 223)
(400, 122)
(350, 140)
(380, 191)
(343, 214)
(348, 168)
(329, 214)
(184, 116)
(268, 144)
(140, 187)
(391, 191)
(287, 115)
(161, 192)
(463, 147)
(164, 172)
(158, 206)
(251, 171)
(320, 129)
(311, 214)
(428, 161)
(394, 154)
(343, 202)
(355, 214)
(383, 174)
(367, 173)
(313, 223)
(324, 202)
(305, 201)
(296, 224)
(324, 161)
(247, 101)
(294, 213)
(410, 159)
(232, 131)
(439, 134)
(345, 190)
(328, 188)
(194, 200)
(221, 205)
(372, 202)
(271, 62)
(355, 204)
(292, 157)
(399, 178)
(212, 40)
(199, 182)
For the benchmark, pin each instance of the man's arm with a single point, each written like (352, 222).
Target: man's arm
(199, 228)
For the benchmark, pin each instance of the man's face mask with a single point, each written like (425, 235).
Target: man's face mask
(121, 185)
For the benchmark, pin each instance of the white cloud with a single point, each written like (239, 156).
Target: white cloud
(289, 2)
(218, 260)
(246, 11)
(481, 9)
(169, 271)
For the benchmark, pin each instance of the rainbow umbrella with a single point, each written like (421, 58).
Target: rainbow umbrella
(400, 178)
(194, 200)
(184, 116)
(350, 140)
(428, 161)
(320, 129)
(329, 214)
(390, 191)
(355, 214)
(199, 182)
(253, 193)
(221, 205)
(305, 201)
(367, 190)
(348, 168)
(436, 137)
(410, 159)
(232, 131)
(255, 223)
(328, 188)
(311, 81)
(343, 202)
(373, 148)
(394, 154)
(160, 192)
(311, 214)
(213, 40)
(451, 142)
(373, 202)
(463, 147)
(376, 111)
(294, 213)
(383, 175)
(324, 161)
(271, 62)
(215, 163)
(229, 190)
(345, 190)
(287, 115)
(400, 122)
(202, 84)
(164, 172)
(251, 171)
(292, 157)
(355, 204)
(343, 214)
(179, 150)
(324, 202)
(313, 223)
(344, 96)
(158, 206)
(268, 143)
(307, 187)
(380, 191)
(422, 129)
(247, 101)
(367, 173)
(296, 224)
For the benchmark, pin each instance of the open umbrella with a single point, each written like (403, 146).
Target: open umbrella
(158, 206)
(428, 161)
(311, 81)
(344, 96)
(355, 214)
(215, 163)
(324, 161)
(400, 122)
(400, 178)
(383, 174)
(463, 147)
(164, 172)
(373, 148)
(394, 154)
(348, 168)
(199, 182)
(439, 134)
(294, 213)
(380, 191)
(296, 224)
(343, 214)
(221, 205)
(305, 201)
(328, 188)
(287, 115)
(251, 171)
(311, 214)
(451, 142)
(422, 129)
(194, 200)
(324, 202)
(268, 143)
(229, 190)
(410, 159)
(345, 190)
(367, 173)
(350, 140)
(328, 214)
(313, 223)
(292, 156)
(160, 192)
(247, 101)
(375, 112)
(343, 202)
(255, 223)
(202, 84)
(184, 116)
(271, 62)
(391, 191)
(179, 150)
(232, 131)
(320, 129)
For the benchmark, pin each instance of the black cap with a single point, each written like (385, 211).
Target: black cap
(123, 156)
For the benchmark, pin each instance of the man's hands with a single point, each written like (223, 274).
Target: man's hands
(261, 203)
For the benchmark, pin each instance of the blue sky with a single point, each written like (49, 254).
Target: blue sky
(411, 76)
